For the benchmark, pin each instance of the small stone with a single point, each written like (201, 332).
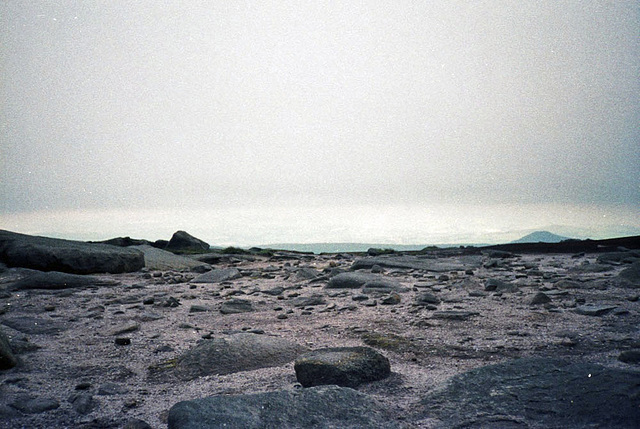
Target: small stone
(282, 316)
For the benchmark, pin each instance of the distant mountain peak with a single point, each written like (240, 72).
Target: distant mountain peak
(541, 237)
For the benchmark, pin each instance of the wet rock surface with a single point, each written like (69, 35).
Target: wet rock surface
(122, 351)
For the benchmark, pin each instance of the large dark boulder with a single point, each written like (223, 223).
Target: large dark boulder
(181, 241)
(235, 353)
(52, 254)
(344, 366)
(318, 407)
(537, 392)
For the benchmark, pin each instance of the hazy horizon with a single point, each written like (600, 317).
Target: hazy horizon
(248, 123)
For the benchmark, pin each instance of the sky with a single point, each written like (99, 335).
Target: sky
(276, 119)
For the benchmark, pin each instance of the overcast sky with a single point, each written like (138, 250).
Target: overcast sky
(121, 104)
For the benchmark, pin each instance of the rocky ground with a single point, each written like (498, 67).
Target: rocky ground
(111, 352)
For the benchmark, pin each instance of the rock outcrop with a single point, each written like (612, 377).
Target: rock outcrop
(76, 257)
(181, 241)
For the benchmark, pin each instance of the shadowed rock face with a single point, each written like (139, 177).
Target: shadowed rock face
(318, 407)
(541, 391)
(76, 257)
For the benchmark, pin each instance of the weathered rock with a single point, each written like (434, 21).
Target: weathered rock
(594, 309)
(318, 407)
(630, 356)
(537, 392)
(568, 284)
(236, 305)
(540, 298)
(426, 298)
(218, 275)
(344, 366)
(382, 285)
(182, 241)
(618, 257)
(136, 424)
(495, 285)
(630, 276)
(83, 402)
(235, 353)
(454, 314)
(308, 301)
(54, 280)
(7, 358)
(110, 389)
(351, 280)
(34, 325)
(306, 273)
(76, 257)
(392, 299)
(34, 405)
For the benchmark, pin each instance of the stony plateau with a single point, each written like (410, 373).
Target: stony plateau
(508, 337)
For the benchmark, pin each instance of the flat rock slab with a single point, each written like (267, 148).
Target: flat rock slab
(343, 366)
(236, 305)
(371, 282)
(218, 275)
(33, 325)
(417, 263)
(158, 259)
(318, 407)
(537, 393)
(239, 352)
(454, 314)
(594, 310)
(76, 257)
(54, 280)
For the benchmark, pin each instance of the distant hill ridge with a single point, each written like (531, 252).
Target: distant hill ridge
(541, 237)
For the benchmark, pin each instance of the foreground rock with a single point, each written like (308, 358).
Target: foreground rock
(319, 407)
(538, 392)
(239, 352)
(54, 280)
(344, 366)
(372, 282)
(631, 276)
(52, 254)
